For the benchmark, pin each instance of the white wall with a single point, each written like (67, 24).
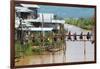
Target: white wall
(5, 34)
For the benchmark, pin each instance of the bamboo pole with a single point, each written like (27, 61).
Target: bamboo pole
(84, 50)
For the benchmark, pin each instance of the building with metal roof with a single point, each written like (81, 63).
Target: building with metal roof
(34, 20)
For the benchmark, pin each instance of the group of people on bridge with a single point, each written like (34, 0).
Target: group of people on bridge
(81, 35)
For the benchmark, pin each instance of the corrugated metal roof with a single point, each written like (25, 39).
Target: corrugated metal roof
(22, 9)
(30, 5)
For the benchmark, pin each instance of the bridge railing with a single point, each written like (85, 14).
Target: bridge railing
(76, 37)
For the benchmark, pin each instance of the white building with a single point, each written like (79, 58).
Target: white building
(35, 21)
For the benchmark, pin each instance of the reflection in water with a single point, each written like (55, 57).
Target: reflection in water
(47, 58)
(74, 51)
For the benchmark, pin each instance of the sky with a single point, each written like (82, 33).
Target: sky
(66, 12)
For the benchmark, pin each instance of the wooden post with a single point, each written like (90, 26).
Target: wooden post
(42, 31)
(84, 49)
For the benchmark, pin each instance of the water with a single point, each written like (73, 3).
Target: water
(75, 51)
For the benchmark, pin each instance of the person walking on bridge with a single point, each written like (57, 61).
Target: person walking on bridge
(69, 36)
(75, 36)
(81, 36)
(88, 36)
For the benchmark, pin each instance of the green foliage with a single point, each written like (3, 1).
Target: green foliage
(48, 41)
(85, 23)
(28, 49)
(36, 42)
(23, 49)
(37, 50)
(17, 48)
